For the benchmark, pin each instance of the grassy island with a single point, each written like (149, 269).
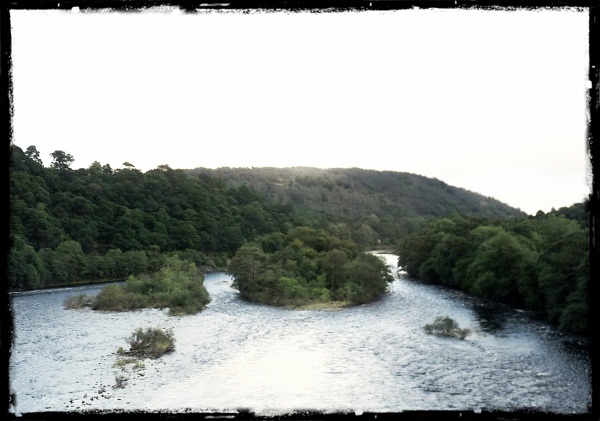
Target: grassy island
(308, 269)
(178, 286)
(446, 326)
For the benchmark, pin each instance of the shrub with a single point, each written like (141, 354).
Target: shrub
(138, 365)
(76, 302)
(124, 361)
(177, 286)
(114, 298)
(151, 343)
(120, 382)
(445, 326)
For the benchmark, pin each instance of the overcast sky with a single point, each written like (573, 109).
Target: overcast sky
(491, 101)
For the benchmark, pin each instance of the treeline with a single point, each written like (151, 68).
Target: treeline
(305, 227)
(100, 223)
(307, 266)
(375, 207)
(538, 263)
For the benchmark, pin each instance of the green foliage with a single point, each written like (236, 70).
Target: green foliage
(114, 297)
(61, 160)
(122, 218)
(25, 268)
(446, 326)
(501, 266)
(375, 207)
(247, 267)
(178, 286)
(538, 263)
(307, 266)
(73, 226)
(367, 277)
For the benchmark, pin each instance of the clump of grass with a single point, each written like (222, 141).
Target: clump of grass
(139, 365)
(151, 342)
(445, 326)
(120, 382)
(124, 361)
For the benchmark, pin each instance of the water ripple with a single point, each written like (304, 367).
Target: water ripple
(374, 357)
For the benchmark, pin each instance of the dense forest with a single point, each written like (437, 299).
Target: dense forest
(307, 266)
(539, 262)
(97, 223)
(376, 207)
(91, 224)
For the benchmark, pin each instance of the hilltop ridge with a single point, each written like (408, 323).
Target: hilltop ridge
(390, 203)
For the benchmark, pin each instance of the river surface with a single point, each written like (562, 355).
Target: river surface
(239, 355)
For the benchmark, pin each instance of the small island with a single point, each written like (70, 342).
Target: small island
(446, 326)
(178, 286)
(308, 268)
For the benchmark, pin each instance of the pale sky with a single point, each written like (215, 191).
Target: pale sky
(491, 101)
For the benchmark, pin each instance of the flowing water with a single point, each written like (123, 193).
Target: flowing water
(235, 354)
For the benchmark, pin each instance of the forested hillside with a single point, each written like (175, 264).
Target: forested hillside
(538, 262)
(70, 225)
(98, 224)
(101, 223)
(373, 206)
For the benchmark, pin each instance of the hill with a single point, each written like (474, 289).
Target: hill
(96, 224)
(373, 205)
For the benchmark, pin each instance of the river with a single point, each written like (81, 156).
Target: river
(235, 354)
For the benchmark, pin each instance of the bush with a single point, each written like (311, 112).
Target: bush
(120, 382)
(115, 298)
(151, 343)
(445, 326)
(76, 302)
(178, 286)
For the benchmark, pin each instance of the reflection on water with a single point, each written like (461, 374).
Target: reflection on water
(491, 318)
(374, 357)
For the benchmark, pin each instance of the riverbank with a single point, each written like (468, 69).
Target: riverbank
(327, 306)
(204, 269)
(69, 285)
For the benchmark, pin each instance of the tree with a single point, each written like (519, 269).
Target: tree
(367, 276)
(415, 249)
(503, 269)
(43, 230)
(61, 160)
(366, 235)
(33, 154)
(562, 263)
(25, 268)
(333, 265)
(446, 326)
(69, 255)
(247, 266)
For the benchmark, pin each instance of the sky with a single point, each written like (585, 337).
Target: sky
(492, 101)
